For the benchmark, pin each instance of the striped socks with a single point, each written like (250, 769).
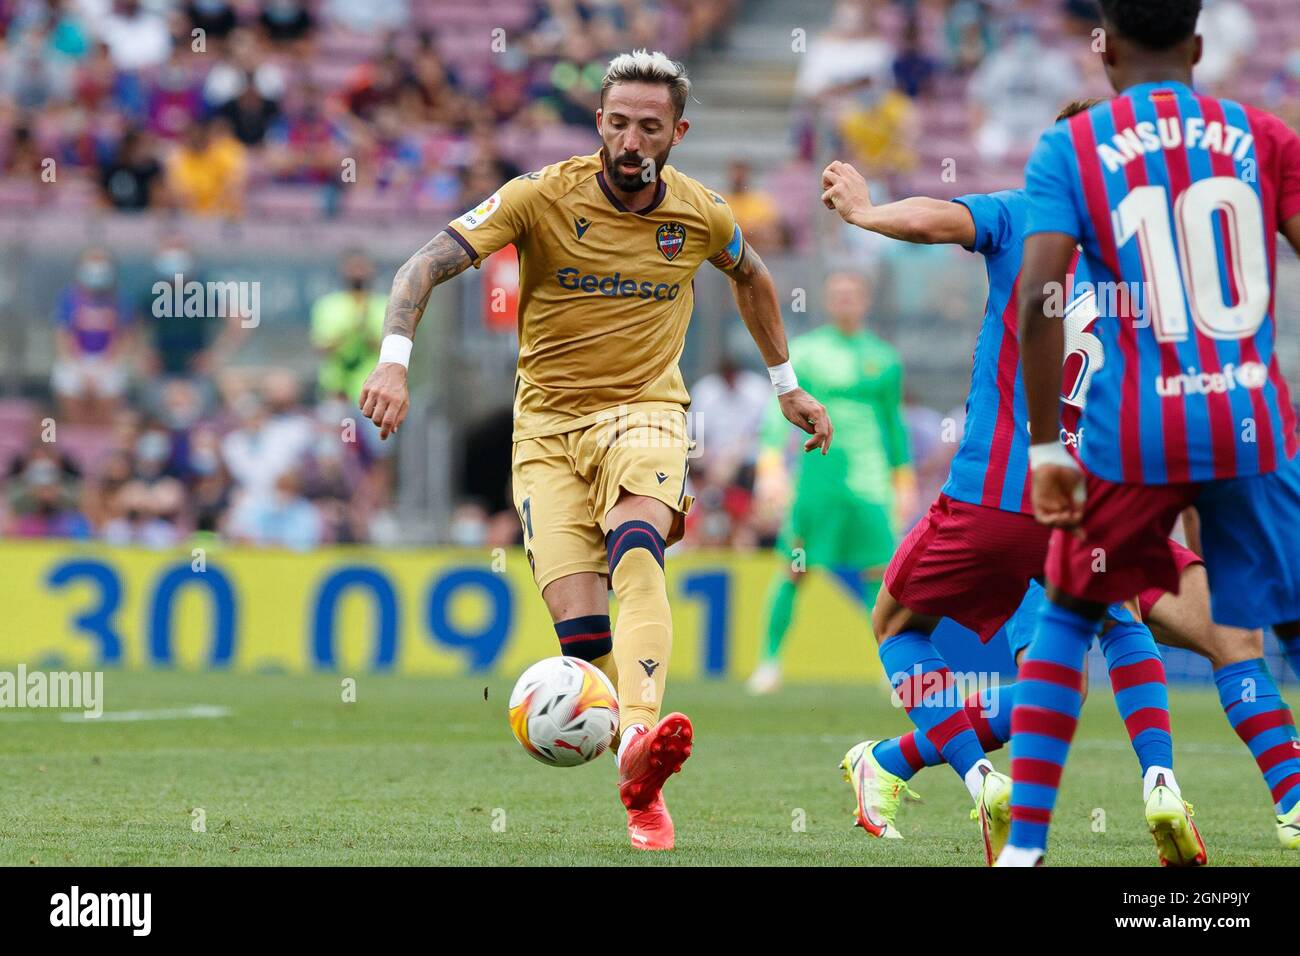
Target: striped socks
(1137, 675)
(923, 682)
(989, 713)
(1264, 723)
(1048, 700)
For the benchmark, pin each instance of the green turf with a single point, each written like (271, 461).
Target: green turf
(426, 772)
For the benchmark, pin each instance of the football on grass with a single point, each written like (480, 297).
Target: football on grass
(564, 711)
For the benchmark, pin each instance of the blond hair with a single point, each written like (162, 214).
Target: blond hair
(641, 66)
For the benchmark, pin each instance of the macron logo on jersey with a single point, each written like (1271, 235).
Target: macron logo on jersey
(1171, 133)
(1251, 375)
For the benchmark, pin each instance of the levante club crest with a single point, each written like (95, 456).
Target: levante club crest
(671, 236)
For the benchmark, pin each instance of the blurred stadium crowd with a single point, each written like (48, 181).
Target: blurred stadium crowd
(343, 112)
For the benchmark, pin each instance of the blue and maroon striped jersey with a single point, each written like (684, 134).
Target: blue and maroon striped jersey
(1176, 199)
(991, 467)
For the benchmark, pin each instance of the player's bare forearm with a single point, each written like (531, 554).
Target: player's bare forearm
(755, 294)
(441, 258)
(918, 219)
(385, 397)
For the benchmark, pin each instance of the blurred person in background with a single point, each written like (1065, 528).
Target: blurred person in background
(206, 174)
(190, 347)
(727, 410)
(44, 490)
(132, 178)
(93, 342)
(42, 503)
(151, 516)
(1016, 92)
(260, 449)
(914, 69)
(282, 519)
(286, 22)
(755, 210)
(137, 37)
(1228, 29)
(968, 31)
(346, 328)
(846, 508)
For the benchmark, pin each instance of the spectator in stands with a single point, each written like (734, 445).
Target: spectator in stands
(1282, 95)
(216, 18)
(42, 501)
(755, 210)
(186, 346)
(207, 173)
(286, 21)
(1228, 32)
(244, 62)
(968, 29)
(93, 342)
(305, 144)
(346, 328)
(250, 115)
(261, 449)
(1016, 93)
(914, 69)
(284, 519)
(22, 157)
(373, 16)
(150, 516)
(880, 129)
(727, 409)
(175, 97)
(137, 38)
(439, 85)
(849, 52)
(132, 179)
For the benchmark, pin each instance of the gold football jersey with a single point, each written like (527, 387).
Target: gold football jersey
(605, 294)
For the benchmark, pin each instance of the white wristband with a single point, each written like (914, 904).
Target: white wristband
(396, 348)
(783, 378)
(1051, 453)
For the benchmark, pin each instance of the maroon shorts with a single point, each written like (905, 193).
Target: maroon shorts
(968, 562)
(1184, 558)
(1123, 549)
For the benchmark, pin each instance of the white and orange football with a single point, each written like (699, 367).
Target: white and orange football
(564, 711)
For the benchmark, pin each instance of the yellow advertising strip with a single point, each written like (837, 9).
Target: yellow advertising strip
(441, 611)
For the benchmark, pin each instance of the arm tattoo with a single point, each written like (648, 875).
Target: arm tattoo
(440, 259)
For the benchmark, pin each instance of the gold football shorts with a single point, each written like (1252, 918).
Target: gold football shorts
(565, 485)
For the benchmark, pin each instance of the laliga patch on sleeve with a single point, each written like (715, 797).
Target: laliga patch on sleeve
(480, 213)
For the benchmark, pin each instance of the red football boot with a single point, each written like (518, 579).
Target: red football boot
(653, 757)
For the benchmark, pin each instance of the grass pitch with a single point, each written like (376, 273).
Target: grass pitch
(426, 772)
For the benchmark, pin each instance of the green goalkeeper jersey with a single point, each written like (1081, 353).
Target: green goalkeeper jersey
(859, 378)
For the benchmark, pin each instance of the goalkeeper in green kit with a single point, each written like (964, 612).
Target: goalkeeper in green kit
(845, 511)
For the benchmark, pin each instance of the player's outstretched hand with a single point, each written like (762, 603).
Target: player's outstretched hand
(1058, 496)
(804, 411)
(845, 191)
(384, 397)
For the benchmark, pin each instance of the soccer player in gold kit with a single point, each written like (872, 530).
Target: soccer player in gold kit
(608, 247)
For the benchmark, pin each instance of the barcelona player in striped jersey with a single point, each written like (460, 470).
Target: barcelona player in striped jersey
(1183, 620)
(1176, 199)
(987, 494)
